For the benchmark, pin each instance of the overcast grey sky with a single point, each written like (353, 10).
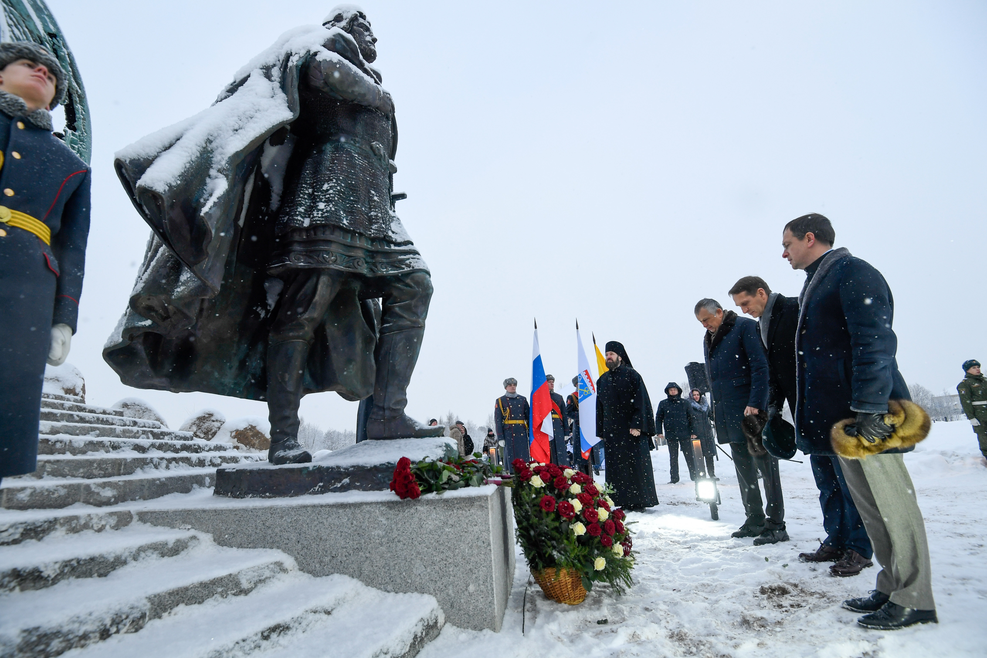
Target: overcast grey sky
(611, 162)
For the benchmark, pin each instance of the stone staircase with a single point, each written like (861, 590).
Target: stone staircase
(147, 591)
(80, 575)
(99, 457)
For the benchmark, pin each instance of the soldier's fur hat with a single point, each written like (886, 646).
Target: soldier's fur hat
(969, 363)
(909, 421)
(510, 381)
(12, 51)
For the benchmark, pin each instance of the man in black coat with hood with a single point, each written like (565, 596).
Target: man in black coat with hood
(737, 371)
(625, 422)
(846, 368)
(673, 415)
(777, 316)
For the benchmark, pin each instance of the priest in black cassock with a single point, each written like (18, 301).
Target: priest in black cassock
(626, 423)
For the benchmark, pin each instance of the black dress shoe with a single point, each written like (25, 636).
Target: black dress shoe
(870, 603)
(893, 617)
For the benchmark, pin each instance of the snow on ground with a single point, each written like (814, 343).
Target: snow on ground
(698, 592)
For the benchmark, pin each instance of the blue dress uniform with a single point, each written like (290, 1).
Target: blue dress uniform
(44, 225)
(511, 422)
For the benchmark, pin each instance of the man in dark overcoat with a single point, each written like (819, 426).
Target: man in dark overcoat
(846, 541)
(625, 422)
(44, 226)
(674, 422)
(559, 454)
(737, 370)
(847, 368)
(511, 413)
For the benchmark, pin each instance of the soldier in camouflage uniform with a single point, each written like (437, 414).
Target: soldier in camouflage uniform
(973, 397)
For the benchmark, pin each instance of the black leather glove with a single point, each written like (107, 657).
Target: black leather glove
(870, 427)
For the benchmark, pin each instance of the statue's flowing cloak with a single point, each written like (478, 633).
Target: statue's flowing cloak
(201, 308)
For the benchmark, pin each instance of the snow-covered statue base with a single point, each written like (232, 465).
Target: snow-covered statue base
(365, 466)
(457, 546)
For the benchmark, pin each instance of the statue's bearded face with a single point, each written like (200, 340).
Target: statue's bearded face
(365, 39)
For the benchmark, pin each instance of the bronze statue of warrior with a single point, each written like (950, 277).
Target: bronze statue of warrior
(291, 249)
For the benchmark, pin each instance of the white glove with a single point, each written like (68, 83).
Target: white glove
(975, 422)
(61, 342)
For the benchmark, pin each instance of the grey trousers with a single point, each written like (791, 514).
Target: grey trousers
(747, 467)
(885, 497)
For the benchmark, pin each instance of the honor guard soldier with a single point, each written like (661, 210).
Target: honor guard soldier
(973, 397)
(44, 225)
(511, 413)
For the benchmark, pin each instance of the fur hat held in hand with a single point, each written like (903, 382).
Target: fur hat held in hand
(13, 51)
(909, 421)
(753, 426)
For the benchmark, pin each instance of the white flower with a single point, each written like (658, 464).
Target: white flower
(536, 482)
(618, 550)
(568, 472)
(604, 514)
(575, 489)
(578, 529)
(576, 505)
(609, 502)
(599, 564)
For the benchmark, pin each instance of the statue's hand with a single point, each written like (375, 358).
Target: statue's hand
(61, 342)
(386, 103)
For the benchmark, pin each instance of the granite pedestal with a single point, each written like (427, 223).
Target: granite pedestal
(457, 546)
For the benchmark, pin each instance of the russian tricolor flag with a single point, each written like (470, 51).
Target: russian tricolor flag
(541, 408)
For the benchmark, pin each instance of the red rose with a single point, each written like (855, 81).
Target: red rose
(585, 499)
(591, 515)
(525, 476)
(547, 503)
(554, 470)
(592, 490)
(566, 510)
(606, 541)
(619, 514)
(519, 465)
(620, 527)
(609, 527)
(593, 530)
(581, 479)
(604, 504)
(561, 482)
(627, 550)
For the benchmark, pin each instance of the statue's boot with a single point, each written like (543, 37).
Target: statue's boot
(397, 354)
(285, 374)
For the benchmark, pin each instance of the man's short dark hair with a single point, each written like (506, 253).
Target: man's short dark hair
(815, 224)
(750, 285)
(710, 305)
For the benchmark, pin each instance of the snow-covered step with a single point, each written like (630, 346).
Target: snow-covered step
(81, 445)
(115, 464)
(25, 493)
(294, 616)
(38, 564)
(91, 417)
(20, 526)
(61, 397)
(49, 428)
(65, 405)
(79, 611)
